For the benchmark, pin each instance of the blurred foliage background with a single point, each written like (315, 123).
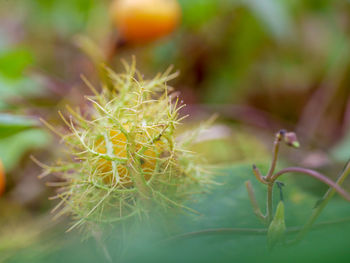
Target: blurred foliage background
(261, 65)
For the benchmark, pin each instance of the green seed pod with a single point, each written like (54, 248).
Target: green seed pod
(277, 228)
(126, 159)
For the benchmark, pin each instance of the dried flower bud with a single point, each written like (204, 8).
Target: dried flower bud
(291, 139)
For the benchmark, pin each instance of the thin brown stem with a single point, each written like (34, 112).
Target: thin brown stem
(276, 146)
(315, 175)
(268, 178)
(254, 202)
(258, 174)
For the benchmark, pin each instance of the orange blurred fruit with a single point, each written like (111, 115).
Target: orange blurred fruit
(141, 21)
(2, 178)
(119, 141)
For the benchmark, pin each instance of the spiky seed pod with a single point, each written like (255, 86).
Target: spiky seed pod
(126, 158)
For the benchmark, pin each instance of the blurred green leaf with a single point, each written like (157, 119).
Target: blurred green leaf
(275, 15)
(13, 147)
(65, 17)
(21, 87)
(12, 124)
(13, 62)
(198, 12)
(225, 206)
(13, 81)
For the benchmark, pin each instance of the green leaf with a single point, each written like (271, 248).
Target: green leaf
(13, 62)
(225, 206)
(65, 16)
(13, 80)
(14, 147)
(275, 15)
(19, 88)
(13, 124)
(196, 13)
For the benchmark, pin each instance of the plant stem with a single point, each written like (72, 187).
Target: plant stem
(254, 202)
(326, 198)
(271, 178)
(317, 176)
(276, 146)
(314, 174)
(268, 178)
(269, 214)
(250, 231)
(258, 174)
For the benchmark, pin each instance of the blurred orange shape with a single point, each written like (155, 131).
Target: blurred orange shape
(2, 178)
(141, 21)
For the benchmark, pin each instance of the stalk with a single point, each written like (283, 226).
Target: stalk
(318, 210)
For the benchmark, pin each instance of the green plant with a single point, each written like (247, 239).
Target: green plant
(274, 221)
(271, 180)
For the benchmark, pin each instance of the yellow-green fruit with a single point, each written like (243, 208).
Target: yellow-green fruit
(119, 142)
(141, 21)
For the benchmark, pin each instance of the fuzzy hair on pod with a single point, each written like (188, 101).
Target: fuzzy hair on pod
(125, 157)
